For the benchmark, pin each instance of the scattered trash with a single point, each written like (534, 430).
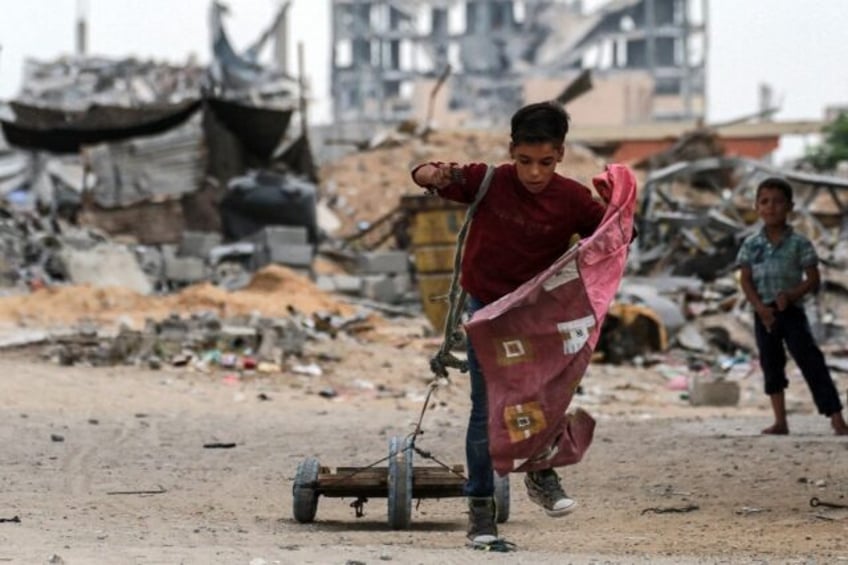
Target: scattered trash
(815, 502)
(747, 510)
(671, 509)
(219, 445)
(328, 393)
(311, 370)
(159, 490)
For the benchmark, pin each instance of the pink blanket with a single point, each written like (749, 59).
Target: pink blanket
(535, 343)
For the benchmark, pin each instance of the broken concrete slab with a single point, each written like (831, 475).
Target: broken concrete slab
(105, 265)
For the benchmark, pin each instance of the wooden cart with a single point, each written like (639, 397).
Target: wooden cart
(400, 482)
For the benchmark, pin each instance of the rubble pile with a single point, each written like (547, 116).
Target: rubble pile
(261, 328)
(202, 342)
(74, 83)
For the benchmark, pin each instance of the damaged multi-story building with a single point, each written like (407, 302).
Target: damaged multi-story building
(646, 59)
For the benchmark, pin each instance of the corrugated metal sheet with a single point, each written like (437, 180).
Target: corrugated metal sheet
(148, 169)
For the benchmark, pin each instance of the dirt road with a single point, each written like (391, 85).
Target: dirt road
(86, 451)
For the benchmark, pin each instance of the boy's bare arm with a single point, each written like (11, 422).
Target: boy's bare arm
(748, 288)
(811, 282)
(765, 313)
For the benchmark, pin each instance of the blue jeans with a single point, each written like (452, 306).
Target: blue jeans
(480, 473)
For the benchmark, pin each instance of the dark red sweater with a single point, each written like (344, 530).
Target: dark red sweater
(515, 234)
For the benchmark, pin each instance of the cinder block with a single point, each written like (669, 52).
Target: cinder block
(381, 288)
(198, 243)
(707, 391)
(325, 283)
(403, 283)
(168, 250)
(291, 255)
(381, 262)
(295, 256)
(185, 269)
(281, 236)
(240, 338)
(347, 284)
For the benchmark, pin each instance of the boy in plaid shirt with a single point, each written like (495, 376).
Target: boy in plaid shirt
(778, 267)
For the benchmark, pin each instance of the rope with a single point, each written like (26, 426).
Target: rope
(444, 359)
(411, 447)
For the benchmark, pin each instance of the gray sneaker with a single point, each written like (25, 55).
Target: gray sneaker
(544, 488)
(482, 526)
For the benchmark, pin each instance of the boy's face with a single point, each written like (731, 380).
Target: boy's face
(535, 163)
(773, 207)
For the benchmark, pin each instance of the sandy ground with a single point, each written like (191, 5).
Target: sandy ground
(78, 444)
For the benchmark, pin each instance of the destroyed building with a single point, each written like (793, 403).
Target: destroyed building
(152, 154)
(647, 59)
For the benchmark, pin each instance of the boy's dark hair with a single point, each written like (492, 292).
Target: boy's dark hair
(776, 183)
(542, 122)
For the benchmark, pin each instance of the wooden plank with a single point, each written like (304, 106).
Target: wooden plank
(372, 482)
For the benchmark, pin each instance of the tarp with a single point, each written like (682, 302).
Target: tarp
(535, 343)
(260, 130)
(59, 131)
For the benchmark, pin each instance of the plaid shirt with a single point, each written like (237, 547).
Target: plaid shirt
(776, 267)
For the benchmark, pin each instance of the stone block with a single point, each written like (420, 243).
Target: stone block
(383, 262)
(709, 391)
(198, 244)
(325, 283)
(185, 269)
(381, 288)
(292, 255)
(347, 284)
(403, 283)
(280, 236)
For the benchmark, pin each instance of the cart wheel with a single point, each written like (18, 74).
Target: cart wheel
(502, 498)
(400, 483)
(305, 499)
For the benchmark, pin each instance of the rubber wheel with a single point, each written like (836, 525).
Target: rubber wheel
(502, 498)
(400, 483)
(304, 497)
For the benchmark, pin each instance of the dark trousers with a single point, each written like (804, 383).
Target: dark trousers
(792, 328)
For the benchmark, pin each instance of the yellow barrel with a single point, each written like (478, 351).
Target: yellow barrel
(434, 258)
(434, 288)
(434, 225)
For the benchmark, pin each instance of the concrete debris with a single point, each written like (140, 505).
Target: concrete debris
(74, 83)
(200, 341)
(105, 265)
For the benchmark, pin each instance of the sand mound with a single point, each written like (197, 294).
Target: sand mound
(272, 292)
